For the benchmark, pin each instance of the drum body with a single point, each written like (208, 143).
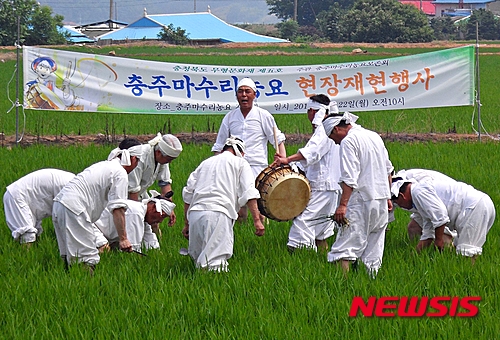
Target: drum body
(284, 193)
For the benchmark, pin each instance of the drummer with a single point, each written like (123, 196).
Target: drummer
(320, 159)
(255, 126)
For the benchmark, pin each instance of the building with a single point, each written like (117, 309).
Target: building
(201, 28)
(426, 6)
(460, 7)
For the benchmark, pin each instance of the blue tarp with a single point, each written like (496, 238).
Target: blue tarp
(198, 26)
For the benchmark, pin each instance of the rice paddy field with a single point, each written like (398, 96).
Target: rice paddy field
(268, 293)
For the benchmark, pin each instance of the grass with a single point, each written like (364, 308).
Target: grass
(268, 294)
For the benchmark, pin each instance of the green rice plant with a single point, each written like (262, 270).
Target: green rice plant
(268, 293)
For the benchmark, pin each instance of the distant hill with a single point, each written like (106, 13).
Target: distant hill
(78, 12)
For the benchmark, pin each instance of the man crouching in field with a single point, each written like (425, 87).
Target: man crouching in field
(214, 193)
(82, 201)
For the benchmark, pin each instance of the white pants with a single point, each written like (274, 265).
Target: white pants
(304, 230)
(20, 219)
(472, 227)
(364, 238)
(211, 239)
(75, 236)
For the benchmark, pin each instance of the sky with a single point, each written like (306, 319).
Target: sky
(78, 12)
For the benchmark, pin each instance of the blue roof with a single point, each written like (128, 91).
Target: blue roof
(74, 35)
(464, 1)
(198, 26)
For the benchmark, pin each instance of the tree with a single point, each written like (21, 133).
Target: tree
(487, 25)
(37, 25)
(288, 29)
(379, 21)
(176, 36)
(307, 10)
(329, 23)
(444, 28)
(43, 28)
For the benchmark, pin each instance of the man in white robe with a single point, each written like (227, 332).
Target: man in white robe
(438, 201)
(82, 201)
(29, 200)
(320, 160)
(255, 126)
(139, 218)
(153, 166)
(214, 192)
(365, 201)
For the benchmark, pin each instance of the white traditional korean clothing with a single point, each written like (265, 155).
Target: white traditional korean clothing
(29, 200)
(215, 191)
(139, 232)
(365, 166)
(322, 168)
(147, 172)
(440, 200)
(256, 130)
(81, 202)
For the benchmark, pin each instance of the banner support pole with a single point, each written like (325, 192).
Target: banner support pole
(17, 77)
(478, 94)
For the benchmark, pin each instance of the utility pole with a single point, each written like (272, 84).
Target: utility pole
(110, 14)
(194, 6)
(295, 5)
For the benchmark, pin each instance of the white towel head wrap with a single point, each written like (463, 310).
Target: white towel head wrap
(334, 107)
(320, 115)
(162, 205)
(332, 121)
(247, 82)
(237, 144)
(126, 154)
(168, 144)
(397, 182)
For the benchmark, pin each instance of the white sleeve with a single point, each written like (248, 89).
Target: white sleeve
(222, 135)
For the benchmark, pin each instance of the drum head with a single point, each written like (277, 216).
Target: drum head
(284, 193)
(290, 196)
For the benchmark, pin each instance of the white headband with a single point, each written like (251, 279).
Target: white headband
(161, 205)
(396, 185)
(126, 154)
(334, 107)
(248, 82)
(320, 114)
(232, 141)
(166, 149)
(332, 122)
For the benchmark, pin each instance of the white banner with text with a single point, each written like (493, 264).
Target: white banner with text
(63, 80)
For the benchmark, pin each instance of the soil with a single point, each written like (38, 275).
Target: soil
(209, 138)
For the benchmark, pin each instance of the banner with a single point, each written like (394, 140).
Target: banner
(62, 80)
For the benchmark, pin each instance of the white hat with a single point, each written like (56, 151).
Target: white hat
(248, 82)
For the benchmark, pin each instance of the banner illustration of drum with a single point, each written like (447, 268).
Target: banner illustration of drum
(284, 193)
